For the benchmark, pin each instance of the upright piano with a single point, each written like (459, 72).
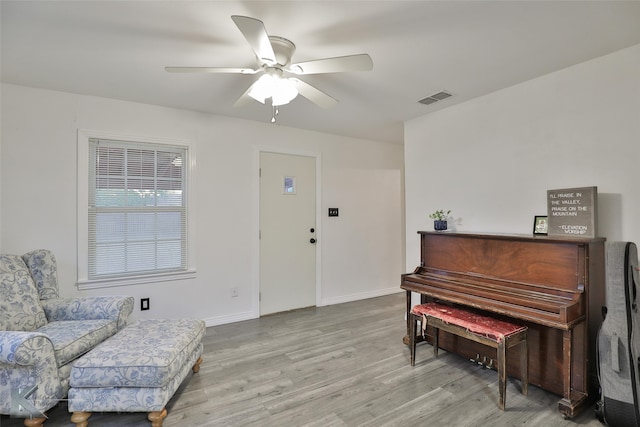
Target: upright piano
(554, 285)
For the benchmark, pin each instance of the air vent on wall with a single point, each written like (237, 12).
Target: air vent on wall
(435, 98)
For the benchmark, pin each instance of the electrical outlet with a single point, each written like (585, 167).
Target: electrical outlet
(333, 211)
(144, 304)
(234, 292)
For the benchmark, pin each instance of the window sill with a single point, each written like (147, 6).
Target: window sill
(138, 280)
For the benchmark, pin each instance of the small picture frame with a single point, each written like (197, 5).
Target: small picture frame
(540, 225)
(289, 185)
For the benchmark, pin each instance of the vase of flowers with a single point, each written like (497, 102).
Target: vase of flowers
(440, 219)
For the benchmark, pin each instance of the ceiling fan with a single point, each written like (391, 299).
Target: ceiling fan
(278, 79)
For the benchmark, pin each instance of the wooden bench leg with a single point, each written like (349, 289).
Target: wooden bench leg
(436, 335)
(413, 323)
(524, 365)
(412, 338)
(81, 419)
(413, 329)
(502, 373)
(157, 417)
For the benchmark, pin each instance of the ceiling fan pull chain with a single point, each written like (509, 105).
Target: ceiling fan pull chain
(275, 113)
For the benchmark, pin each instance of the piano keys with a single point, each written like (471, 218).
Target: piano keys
(554, 285)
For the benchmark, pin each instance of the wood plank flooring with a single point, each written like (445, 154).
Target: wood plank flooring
(342, 365)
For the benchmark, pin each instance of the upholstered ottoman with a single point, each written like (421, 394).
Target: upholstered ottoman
(137, 370)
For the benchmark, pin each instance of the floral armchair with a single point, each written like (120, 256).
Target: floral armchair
(41, 334)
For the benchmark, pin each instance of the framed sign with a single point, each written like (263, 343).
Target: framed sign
(572, 212)
(540, 225)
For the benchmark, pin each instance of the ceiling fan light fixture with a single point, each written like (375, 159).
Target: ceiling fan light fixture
(284, 91)
(281, 91)
(262, 88)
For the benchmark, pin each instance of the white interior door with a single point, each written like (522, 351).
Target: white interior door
(287, 232)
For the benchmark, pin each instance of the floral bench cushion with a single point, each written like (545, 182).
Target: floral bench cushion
(476, 323)
(148, 353)
(20, 308)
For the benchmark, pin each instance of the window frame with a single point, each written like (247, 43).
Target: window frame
(83, 281)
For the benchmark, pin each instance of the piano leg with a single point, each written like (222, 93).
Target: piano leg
(573, 400)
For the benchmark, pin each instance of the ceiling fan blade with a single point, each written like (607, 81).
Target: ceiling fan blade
(256, 34)
(244, 99)
(313, 94)
(361, 62)
(211, 70)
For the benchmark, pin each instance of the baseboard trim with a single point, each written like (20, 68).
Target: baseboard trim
(359, 296)
(249, 315)
(231, 318)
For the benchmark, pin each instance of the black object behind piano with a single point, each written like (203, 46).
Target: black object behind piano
(619, 338)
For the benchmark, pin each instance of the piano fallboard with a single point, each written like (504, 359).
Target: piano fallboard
(548, 306)
(553, 285)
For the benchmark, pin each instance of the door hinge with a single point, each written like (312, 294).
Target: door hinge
(259, 172)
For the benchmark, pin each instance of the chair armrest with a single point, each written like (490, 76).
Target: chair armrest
(28, 359)
(89, 308)
(24, 348)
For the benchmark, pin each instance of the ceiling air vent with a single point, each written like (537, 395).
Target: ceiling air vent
(435, 98)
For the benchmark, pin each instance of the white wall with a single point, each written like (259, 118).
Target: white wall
(492, 159)
(362, 250)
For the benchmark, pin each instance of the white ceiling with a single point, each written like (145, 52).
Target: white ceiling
(118, 49)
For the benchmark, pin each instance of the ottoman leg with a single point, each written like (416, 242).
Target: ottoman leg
(157, 417)
(196, 366)
(81, 419)
(34, 422)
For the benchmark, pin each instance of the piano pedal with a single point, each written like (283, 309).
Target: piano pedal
(483, 361)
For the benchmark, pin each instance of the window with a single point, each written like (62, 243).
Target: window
(136, 211)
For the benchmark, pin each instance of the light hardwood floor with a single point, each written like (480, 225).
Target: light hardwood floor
(342, 365)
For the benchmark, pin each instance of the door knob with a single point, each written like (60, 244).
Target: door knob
(312, 240)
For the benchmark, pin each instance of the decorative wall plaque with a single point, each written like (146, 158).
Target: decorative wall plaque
(573, 212)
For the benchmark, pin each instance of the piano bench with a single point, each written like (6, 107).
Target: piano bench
(495, 333)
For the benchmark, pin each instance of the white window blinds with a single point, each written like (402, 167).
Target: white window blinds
(137, 214)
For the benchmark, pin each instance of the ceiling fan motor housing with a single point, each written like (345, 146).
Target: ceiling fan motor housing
(283, 49)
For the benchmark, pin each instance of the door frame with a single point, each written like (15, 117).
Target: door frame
(255, 267)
